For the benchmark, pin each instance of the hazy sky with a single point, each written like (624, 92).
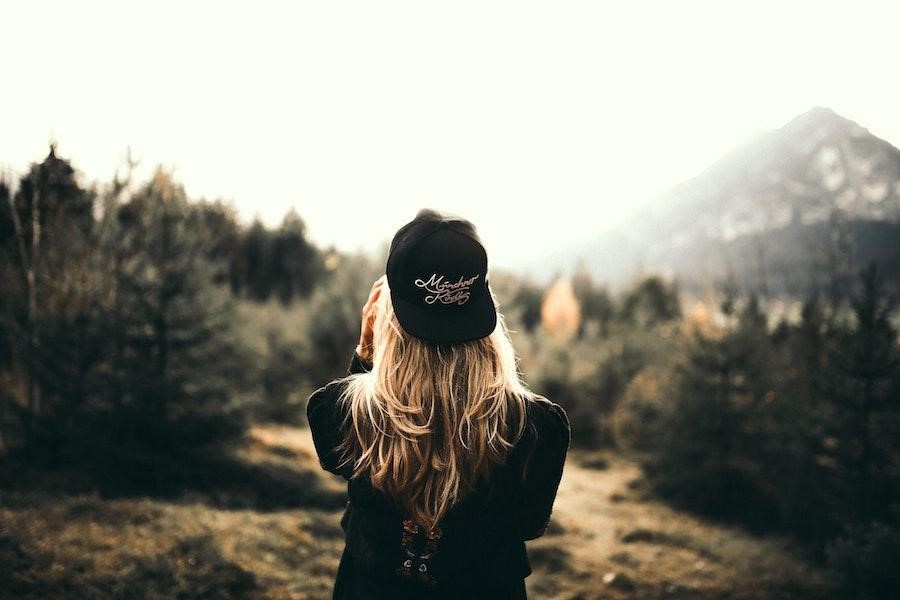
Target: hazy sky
(540, 122)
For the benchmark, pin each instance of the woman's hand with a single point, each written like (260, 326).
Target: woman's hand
(365, 349)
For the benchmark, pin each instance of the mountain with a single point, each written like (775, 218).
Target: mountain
(797, 209)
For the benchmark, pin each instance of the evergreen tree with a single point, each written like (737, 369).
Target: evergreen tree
(220, 223)
(176, 348)
(711, 454)
(256, 262)
(803, 355)
(869, 371)
(45, 238)
(650, 302)
(596, 304)
(296, 264)
(526, 303)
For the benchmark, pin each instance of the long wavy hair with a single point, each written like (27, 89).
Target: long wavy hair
(430, 420)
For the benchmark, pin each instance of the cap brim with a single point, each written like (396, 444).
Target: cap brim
(467, 323)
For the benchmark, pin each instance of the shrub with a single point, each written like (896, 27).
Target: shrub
(865, 560)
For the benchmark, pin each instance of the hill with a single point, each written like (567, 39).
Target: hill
(794, 210)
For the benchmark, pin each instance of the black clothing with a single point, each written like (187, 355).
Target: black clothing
(478, 549)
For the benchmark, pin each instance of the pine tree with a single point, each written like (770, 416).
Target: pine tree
(869, 372)
(297, 264)
(650, 302)
(46, 231)
(596, 304)
(175, 354)
(711, 455)
(256, 262)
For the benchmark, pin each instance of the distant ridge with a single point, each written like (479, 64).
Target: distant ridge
(794, 210)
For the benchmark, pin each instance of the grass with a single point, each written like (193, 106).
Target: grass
(259, 519)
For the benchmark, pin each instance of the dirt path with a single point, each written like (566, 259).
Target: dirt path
(615, 544)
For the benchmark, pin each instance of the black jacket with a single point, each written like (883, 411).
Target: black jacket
(479, 548)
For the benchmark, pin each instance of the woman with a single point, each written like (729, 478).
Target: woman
(452, 464)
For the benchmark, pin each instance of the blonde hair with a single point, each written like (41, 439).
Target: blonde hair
(430, 420)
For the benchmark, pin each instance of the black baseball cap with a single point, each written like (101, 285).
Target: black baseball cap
(437, 274)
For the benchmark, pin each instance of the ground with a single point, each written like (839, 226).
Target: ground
(282, 539)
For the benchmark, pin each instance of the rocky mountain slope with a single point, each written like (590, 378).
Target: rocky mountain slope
(796, 209)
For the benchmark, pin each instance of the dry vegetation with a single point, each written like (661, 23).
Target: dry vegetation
(607, 540)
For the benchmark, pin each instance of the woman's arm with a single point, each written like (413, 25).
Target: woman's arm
(544, 468)
(325, 418)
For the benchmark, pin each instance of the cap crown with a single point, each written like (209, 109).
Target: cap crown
(437, 274)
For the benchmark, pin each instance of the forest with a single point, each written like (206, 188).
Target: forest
(145, 335)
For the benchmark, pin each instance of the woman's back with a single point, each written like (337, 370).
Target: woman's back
(480, 540)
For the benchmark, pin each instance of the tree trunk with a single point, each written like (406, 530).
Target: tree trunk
(28, 263)
(34, 396)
